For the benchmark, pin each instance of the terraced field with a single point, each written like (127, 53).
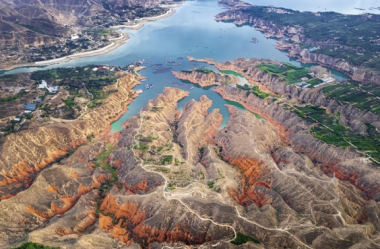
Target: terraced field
(363, 97)
(289, 73)
(328, 129)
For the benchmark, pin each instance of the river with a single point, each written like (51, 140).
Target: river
(191, 31)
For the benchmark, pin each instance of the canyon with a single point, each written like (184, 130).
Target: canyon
(26, 153)
(174, 179)
(176, 175)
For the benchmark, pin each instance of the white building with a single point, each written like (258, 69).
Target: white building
(51, 89)
(74, 37)
(43, 85)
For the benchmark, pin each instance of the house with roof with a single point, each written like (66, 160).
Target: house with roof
(51, 89)
(30, 107)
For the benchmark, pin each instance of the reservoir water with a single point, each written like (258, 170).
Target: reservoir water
(191, 31)
(341, 6)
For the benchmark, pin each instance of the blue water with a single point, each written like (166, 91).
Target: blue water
(191, 31)
(341, 6)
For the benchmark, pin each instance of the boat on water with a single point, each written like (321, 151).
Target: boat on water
(182, 85)
(156, 65)
(254, 40)
(172, 63)
(139, 91)
(162, 70)
(148, 86)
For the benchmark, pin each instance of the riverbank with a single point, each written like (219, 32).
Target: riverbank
(156, 18)
(134, 27)
(116, 42)
(140, 21)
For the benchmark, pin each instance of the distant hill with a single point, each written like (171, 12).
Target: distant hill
(38, 22)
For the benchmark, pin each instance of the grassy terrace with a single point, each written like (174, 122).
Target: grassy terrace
(231, 73)
(255, 90)
(360, 34)
(204, 70)
(329, 130)
(242, 239)
(363, 97)
(286, 71)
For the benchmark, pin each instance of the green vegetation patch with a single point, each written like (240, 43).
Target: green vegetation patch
(355, 34)
(328, 129)
(364, 97)
(286, 71)
(32, 245)
(102, 161)
(315, 82)
(8, 99)
(210, 184)
(231, 73)
(258, 93)
(242, 239)
(167, 159)
(141, 146)
(236, 104)
(255, 90)
(204, 70)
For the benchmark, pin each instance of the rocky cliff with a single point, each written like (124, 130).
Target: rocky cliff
(197, 128)
(172, 179)
(353, 117)
(26, 153)
(204, 79)
(334, 160)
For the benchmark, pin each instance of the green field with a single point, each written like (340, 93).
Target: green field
(286, 72)
(362, 97)
(355, 34)
(255, 90)
(242, 239)
(328, 129)
(204, 70)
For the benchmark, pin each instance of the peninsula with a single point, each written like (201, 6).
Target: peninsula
(349, 43)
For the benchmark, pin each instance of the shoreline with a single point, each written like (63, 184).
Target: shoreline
(140, 21)
(116, 43)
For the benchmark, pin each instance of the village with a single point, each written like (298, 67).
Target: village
(43, 96)
(93, 33)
